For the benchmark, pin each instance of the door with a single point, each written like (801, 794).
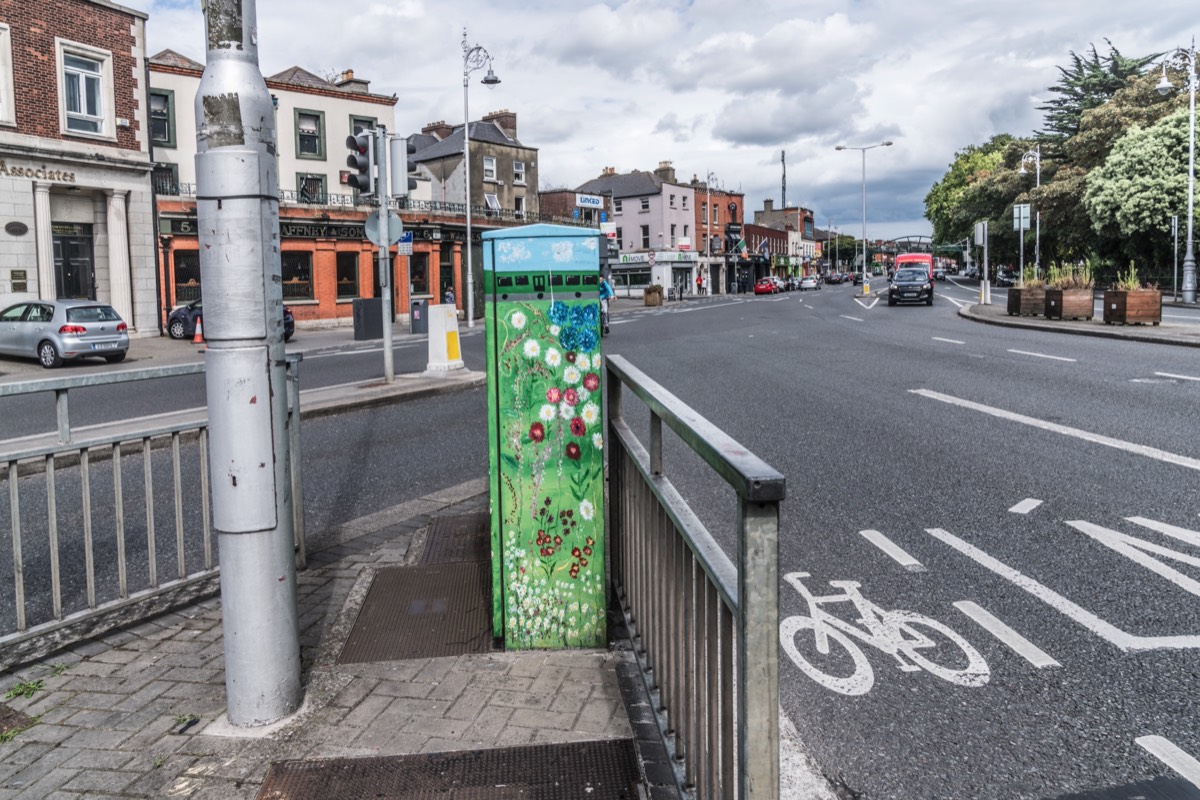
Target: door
(11, 327)
(74, 267)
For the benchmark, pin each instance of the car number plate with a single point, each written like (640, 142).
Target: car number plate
(908, 294)
(106, 346)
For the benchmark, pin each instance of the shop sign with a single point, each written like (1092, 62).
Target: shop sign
(36, 173)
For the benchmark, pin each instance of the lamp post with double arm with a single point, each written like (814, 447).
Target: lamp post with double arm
(864, 195)
(474, 57)
(1164, 86)
(1034, 157)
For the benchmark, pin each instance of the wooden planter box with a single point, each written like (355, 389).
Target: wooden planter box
(1070, 304)
(1027, 301)
(1132, 308)
(652, 297)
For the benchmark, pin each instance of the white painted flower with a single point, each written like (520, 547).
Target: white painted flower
(517, 319)
(582, 394)
(532, 348)
(571, 374)
(596, 362)
(547, 412)
(582, 361)
(553, 357)
(566, 410)
(555, 330)
(597, 441)
(586, 509)
(591, 413)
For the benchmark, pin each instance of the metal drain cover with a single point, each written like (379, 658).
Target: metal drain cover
(462, 537)
(596, 770)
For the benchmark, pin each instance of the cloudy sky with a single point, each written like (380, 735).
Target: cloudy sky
(717, 87)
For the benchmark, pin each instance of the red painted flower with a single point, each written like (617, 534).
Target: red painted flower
(577, 427)
(571, 356)
(554, 394)
(558, 540)
(575, 552)
(537, 431)
(573, 451)
(571, 396)
(591, 381)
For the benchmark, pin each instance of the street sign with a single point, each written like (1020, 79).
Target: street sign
(650, 258)
(375, 235)
(404, 246)
(1021, 217)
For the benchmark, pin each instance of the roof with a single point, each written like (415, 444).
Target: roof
(169, 58)
(453, 144)
(298, 76)
(631, 184)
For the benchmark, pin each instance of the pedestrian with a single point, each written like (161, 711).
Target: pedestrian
(448, 296)
(699, 284)
(606, 292)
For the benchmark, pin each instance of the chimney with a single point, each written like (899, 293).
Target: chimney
(348, 83)
(768, 205)
(441, 129)
(608, 171)
(506, 120)
(665, 171)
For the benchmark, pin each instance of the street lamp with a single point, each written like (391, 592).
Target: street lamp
(1164, 86)
(473, 58)
(864, 195)
(1034, 157)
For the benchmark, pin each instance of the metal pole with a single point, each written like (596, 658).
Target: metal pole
(1037, 240)
(1175, 250)
(385, 260)
(864, 212)
(237, 209)
(1189, 256)
(467, 192)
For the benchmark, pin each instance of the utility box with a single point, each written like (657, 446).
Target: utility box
(545, 436)
(419, 316)
(368, 318)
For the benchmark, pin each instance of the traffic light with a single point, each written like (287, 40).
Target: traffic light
(361, 160)
(402, 167)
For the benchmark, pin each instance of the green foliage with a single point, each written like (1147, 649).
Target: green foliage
(1071, 276)
(1087, 83)
(966, 194)
(25, 689)
(1128, 281)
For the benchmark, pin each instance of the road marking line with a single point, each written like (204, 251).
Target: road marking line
(1025, 506)
(1168, 753)
(1040, 355)
(892, 549)
(867, 306)
(1139, 550)
(957, 303)
(1015, 641)
(1125, 642)
(1107, 441)
(1179, 377)
(856, 319)
(950, 341)
(1182, 534)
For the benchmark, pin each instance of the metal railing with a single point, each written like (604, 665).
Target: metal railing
(705, 631)
(69, 528)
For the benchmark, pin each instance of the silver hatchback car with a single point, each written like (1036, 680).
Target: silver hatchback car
(53, 331)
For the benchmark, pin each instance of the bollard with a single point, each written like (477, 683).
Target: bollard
(444, 352)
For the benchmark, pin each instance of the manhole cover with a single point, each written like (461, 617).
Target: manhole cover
(463, 537)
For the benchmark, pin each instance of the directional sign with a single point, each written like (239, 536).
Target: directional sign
(1021, 217)
(375, 235)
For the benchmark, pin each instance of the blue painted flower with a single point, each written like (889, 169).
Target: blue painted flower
(585, 339)
(569, 338)
(559, 313)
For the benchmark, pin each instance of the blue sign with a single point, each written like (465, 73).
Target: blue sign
(575, 213)
(604, 216)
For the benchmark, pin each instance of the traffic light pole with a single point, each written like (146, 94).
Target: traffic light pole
(385, 266)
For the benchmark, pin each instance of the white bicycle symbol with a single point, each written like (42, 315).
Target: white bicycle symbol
(897, 633)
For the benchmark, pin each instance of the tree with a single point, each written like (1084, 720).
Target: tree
(959, 199)
(1087, 83)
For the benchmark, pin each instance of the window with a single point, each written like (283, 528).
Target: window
(347, 275)
(493, 202)
(297, 275)
(418, 273)
(703, 212)
(683, 200)
(489, 168)
(187, 275)
(8, 113)
(685, 232)
(310, 189)
(620, 237)
(310, 134)
(165, 178)
(616, 206)
(86, 101)
(645, 237)
(162, 117)
(645, 204)
(519, 206)
(716, 215)
(672, 201)
(672, 234)
(518, 172)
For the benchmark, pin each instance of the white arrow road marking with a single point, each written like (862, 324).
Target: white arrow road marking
(1025, 506)
(867, 306)
(1107, 441)
(1168, 753)
(1126, 642)
(950, 341)
(958, 303)
(1178, 377)
(1015, 641)
(1040, 355)
(1138, 551)
(856, 319)
(894, 550)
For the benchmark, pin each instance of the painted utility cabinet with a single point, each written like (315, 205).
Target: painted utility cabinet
(545, 435)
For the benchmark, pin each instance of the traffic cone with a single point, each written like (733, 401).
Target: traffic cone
(199, 337)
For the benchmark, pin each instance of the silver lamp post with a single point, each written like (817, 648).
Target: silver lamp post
(473, 58)
(864, 194)
(1034, 157)
(1164, 86)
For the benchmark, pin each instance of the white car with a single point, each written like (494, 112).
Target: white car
(809, 282)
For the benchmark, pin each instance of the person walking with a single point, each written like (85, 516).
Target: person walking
(699, 284)
(606, 292)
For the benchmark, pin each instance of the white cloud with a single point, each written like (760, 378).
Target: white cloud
(714, 86)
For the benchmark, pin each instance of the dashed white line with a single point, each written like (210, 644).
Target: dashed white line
(1015, 641)
(1087, 436)
(1168, 753)
(949, 341)
(1178, 377)
(846, 316)
(1025, 506)
(892, 549)
(1040, 355)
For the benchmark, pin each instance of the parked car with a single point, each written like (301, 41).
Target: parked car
(182, 322)
(971, 272)
(858, 278)
(765, 286)
(911, 285)
(54, 331)
(780, 283)
(1005, 277)
(809, 282)
(939, 273)
(833, 278)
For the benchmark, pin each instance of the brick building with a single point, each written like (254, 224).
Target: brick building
(75, 197)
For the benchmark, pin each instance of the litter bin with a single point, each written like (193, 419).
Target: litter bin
(368, 318)
(419, 316)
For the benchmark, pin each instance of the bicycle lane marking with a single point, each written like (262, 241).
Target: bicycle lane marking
(897, 553)
(1170, 754)
(1015, 641)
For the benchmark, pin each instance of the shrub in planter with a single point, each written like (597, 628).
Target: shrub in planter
(1070, 292)
(1129, 303)
(1028, 300)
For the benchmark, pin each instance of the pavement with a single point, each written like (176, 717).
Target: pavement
(140, 711)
